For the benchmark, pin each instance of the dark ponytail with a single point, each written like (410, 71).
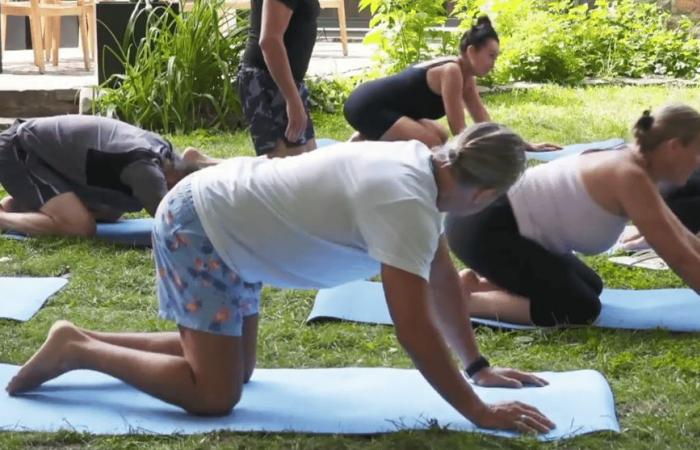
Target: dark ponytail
(478, 35)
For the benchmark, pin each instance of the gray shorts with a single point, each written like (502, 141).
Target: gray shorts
(30, 181)
(266, 110)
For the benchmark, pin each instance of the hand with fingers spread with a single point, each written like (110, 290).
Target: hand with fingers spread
(296, 120)
(504, 377)
(514, 416)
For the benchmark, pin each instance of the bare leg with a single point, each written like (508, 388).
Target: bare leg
(169, 342)
(406, 128)
(207, 379)
(165, 342)
(500, 305)
(439, 130)
(473, 282)
(250, 345)
(64, 215)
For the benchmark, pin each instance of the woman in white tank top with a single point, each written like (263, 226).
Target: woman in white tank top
(520, 249)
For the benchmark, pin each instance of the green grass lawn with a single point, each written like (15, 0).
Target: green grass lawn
(655, 375)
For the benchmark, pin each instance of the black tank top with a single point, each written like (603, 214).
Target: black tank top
(418, 100)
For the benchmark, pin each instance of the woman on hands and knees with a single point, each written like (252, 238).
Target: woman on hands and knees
(226, 230)
(520, 249)
(406, 106)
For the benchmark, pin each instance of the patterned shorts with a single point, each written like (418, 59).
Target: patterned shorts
(266, 110)
(196, 289)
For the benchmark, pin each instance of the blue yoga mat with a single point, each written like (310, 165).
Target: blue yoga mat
(325, 142)
(572, 149)
(22, 297)
(341, 400)
(668, 309)
(133, 232)
(575, 149)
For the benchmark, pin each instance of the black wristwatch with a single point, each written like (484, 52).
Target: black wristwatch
(476, 365)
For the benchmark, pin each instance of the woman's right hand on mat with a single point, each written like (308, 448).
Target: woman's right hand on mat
(515, 416)
(297, 118)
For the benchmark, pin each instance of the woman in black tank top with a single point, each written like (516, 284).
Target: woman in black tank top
(404, 106)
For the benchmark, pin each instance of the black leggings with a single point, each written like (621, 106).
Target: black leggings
(684, 201)
(561, 288)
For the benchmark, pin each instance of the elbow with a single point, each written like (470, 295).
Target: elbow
(268, 43)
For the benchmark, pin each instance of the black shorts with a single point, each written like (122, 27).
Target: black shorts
(30, 181)
(266, 110)
(561, 288)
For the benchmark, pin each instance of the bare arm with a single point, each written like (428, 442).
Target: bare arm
(472, 100)
(275, 20)
(663, 231)
(451, 305)
(408, 298)
(450, 89)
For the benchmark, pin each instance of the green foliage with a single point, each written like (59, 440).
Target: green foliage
(545, 41)
(329, 94)
(407, 31)
(181, 75)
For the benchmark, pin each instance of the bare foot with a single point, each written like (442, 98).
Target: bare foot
(56, 356)
(195, 156)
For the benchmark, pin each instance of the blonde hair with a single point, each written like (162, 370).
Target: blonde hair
(670, 122)
(485, 155)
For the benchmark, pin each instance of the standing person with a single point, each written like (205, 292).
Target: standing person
(406, 105)
(64, 173)
(520, 249)
(271, 80)
(315, 220)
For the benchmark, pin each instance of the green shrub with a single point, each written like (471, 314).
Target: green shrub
(407, 31)
(181, 75)
(543, 40)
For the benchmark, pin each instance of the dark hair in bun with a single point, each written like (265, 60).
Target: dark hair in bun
(478, 35)
(670, 122)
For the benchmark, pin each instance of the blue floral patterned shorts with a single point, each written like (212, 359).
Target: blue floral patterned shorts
(196, 289)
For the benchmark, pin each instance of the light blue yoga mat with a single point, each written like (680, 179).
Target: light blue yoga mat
(325, 142)
(133, 232)
(22, 297)
(342, 400)
(575, 149)
(572, 149)
(668, 309)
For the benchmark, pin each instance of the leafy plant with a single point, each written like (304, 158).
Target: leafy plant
(407, 31)
(180, 76)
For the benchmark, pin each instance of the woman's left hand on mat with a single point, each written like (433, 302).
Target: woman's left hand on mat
(544, 147)
(504, 377)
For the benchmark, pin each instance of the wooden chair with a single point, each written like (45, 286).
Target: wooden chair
(325, 4)
(85, 12)
(50, 13)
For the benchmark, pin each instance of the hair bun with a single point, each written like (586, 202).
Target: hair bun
(483, 21)
(646, 121)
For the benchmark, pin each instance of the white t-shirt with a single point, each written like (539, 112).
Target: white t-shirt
(325, 217)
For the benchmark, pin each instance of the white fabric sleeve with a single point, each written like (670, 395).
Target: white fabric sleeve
(403, 234)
